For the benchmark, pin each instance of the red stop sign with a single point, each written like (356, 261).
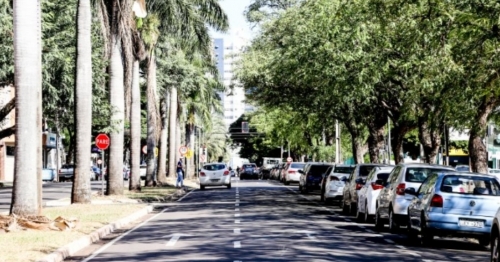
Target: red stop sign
(102, 141)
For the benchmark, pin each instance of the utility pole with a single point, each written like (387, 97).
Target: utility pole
(337, 142)
(389, 147)
(288, 143)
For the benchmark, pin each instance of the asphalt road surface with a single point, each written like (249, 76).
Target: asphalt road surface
(265, 221)
(51, 191)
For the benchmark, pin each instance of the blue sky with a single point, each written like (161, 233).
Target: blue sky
(234, 10)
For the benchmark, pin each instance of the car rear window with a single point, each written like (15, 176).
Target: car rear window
(248, 166)
(383, 176)
(419, 174)
(471, 185)
(318, 170)
(214, 167)
(365, 170)
(297, 165)
(343, 169)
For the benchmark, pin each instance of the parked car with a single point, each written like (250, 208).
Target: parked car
(454, 204)
(291, 172)
(214, 174)
(495, 238)
(311, 176)
(392, 202)
(333, 191)
(66, 172)
(367, 195)
(462, 168)
(48, 174)
(278, 171)
(249, 171)
(353, 184)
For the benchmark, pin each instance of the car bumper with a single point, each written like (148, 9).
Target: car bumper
(205, 181)
(334, 194)
(400, 205)
(293, 177)
(447, 224)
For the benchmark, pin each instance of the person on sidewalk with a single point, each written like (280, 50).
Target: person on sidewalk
(180, 177)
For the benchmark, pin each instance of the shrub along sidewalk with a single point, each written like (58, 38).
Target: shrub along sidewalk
(30, 245)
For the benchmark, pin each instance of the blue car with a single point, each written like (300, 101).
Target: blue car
(48, 174)
(454, 204)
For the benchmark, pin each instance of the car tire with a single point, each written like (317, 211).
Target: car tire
(411, 233)
(367, 215)
(345, 209)
(322, 198)
(495, 247)
(352, 209)
(202, 187)
(286, 183)
(229, 186)
(379, 224)
(484, 241)
(427, 236)
(359, 216)
(393, 226)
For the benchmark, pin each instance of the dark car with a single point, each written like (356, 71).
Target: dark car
(249, 171)
(311, 176)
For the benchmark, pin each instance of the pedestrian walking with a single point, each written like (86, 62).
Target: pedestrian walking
(180, 174)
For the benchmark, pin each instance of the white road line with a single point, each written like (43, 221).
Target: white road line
(180, 199)
(370, 231)
(236, 221)
(389, 241)
(112, 242)
(236, 205)
(414, 254)
(237, 200)
(236, 215)
(237, 244)
(237, 231)
(236, 209)
(399, 246)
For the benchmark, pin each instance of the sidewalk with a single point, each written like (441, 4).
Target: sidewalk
(5, 184)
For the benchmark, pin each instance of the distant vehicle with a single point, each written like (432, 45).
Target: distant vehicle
(48, 174)
(311, 176)
(453, 204)
(291, 172)
(249, 171)
(462, 168)
(267, 164)
(66, 172)
(214, 174)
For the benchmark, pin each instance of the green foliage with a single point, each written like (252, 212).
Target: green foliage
(460, 144)
(6, 44)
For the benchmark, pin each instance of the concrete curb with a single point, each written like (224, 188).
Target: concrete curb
(75, 246)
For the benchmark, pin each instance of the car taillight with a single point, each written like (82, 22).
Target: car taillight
(437, 201)
(400, 190)
(226, 173)
(202, 174)
(359, 186)
(376, 186)
(291, 172)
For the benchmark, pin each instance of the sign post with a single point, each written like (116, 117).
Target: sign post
(102, 142)
(183, 150)
(289, 160)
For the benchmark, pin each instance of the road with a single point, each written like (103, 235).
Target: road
(265, 221)
(51, 192)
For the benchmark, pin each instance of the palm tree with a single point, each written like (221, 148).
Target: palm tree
(81, 191)
(28, 82)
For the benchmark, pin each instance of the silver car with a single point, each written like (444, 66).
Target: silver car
(454, 204)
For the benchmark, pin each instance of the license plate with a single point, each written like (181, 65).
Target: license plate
(214, 180)
(470, 223)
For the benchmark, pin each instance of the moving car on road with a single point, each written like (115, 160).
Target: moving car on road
(367, 195)
(214, 174)
(392, 202)
(454, 204)
(249, 171)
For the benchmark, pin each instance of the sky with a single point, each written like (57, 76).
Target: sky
(234, 10)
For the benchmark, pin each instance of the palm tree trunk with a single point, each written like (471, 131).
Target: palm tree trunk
(178, 137)
(28, 81)
(135, 131)
(162, 155)
(117, 101)
(81, 192)
(173, 128)
(191, 146)
(151, 140)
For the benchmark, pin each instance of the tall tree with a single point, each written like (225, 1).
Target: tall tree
(28, 82)
(81, 192)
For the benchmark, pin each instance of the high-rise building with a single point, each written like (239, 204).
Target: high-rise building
(233, 99)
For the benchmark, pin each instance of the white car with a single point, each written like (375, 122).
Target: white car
(367, 195)
(291, 172)
(332, 191)
(214, 174)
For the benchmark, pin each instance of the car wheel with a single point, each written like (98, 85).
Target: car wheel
(352, 209)
(495, 252)
(367, 216)
(427, 236)
(286, 182)
(322, 199)
(229, 186)
(411, 233)
(393, 226)
(202, 187)
(379, 224)
(300, 188)
(345, 209)
(484, 241)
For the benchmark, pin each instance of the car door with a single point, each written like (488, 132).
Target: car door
(385, 194)
(363, 191)
(421, 200)
(303, 176)
(325, 179)
(347, 188)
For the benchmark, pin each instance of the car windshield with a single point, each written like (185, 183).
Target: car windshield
(214, 167)
(365, 170)
(470, 185)
(494, 171)
(248, 166)
(297, 165)
(419, 174)
(343, 169)
(317, 170)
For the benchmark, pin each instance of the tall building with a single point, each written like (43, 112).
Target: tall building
(233, 99)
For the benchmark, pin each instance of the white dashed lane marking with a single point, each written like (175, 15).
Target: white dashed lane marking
(237, 244)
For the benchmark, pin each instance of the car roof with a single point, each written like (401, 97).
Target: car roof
(344, 165)
(425, 165)
(466, 174)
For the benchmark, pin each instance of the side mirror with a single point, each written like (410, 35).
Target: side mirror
(301, 171)
(411, 191)
(199, 169)
(343, 179)
(360, 181)
(380, 182)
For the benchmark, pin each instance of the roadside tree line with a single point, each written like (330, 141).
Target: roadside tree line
(425, 66)
(138, 70)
